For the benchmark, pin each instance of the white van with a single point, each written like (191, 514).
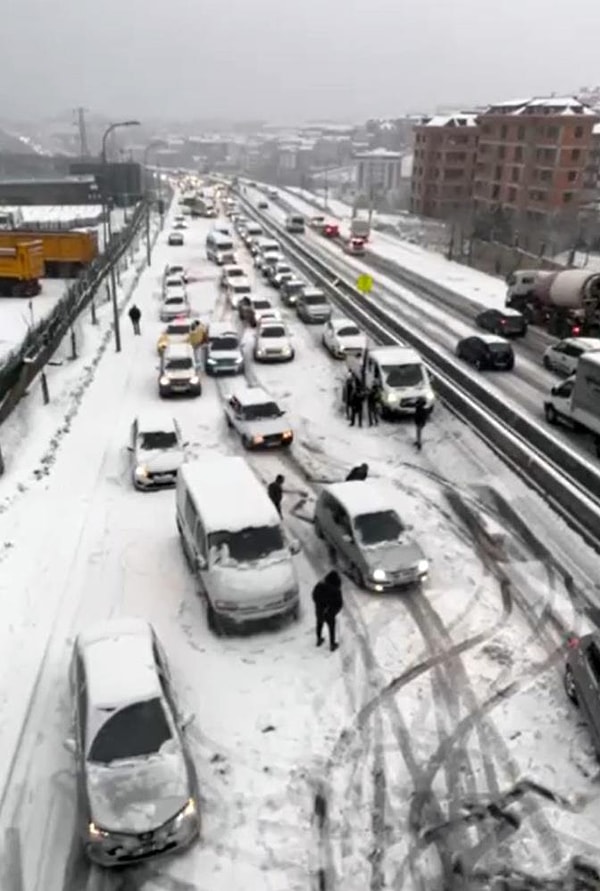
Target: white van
(219, 248)
(400, 373)
(234, 542)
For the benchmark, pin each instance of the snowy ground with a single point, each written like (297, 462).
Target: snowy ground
(307, 760)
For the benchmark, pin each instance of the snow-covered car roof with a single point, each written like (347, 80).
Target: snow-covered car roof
(490, 338)
(179, 351)
(218, 329)
(362, 496)
(119, 663)
(588, 343)
(150, 421)
(344, 322)
(266, 323)
(176, 234)
(312, 292)
(397, 355)
(240, 281)
(173, 295)
(251, 395)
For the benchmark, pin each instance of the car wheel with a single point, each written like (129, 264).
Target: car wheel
(547, 363)
(357, 576)
(228, 422)
(551, 414)
(570, 686)
(293, 355)
(212, 620)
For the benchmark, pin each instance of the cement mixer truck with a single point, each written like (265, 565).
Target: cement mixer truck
(566, 303)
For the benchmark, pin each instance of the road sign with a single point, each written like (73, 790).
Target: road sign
(364, 283)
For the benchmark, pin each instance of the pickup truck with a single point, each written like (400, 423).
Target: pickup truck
(576, 401)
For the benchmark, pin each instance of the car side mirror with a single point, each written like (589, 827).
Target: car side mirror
(130, 448)
(553, 390)
(186, 720)
(69, 745)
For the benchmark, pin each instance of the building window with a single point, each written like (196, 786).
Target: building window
(578, 132)
(496, 192)
(486, 129)
(512, 195)
(575, 154)
(515, 174)
(521, 133)
(498, 174)
(503, 131)
(567, 197)
(552, 132)
(572, 176)
(544, 175)
(501, 151)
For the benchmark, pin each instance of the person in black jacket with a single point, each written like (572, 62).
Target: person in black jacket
(373, 404)
(356, 405)
(135, 315)
(349, 388)
(421, 416)
(327, 597)
(358, 473)
(275, 491)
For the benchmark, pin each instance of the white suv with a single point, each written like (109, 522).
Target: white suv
(156, 451)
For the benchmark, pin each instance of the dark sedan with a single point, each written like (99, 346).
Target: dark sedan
(485, 351)
(582, 681)
(503, 322)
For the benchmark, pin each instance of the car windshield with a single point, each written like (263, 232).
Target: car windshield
(273, 331)
(245, 546)
(263, 410)
(282, 269)
(174, 301)
(175, 282)
(348, 331)
(178, 329)
(314, 299)
(227, 342)
(402, 375)
(176, 270)
(262, 304)
(179, 364)
(241, 289)
(234, 273)
(499, 347)
(378, 527)
(135, 731)
(158, 439)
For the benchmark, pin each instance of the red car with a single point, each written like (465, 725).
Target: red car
(355, 246)
(331, 230)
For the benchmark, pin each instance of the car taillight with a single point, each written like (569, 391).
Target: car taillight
(575, 330)
(503, 321)
(573, 643)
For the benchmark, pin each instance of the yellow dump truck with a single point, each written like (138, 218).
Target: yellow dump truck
(21, 268)
(65, 253)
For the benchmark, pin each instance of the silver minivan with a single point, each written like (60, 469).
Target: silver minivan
(361, 525)
(233, 540)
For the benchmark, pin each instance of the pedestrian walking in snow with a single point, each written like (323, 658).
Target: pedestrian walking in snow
(373, 403)
(327, 597)
(421, 416)
(356, 405)
(275, 492)
(360, 472)
(135, 315)
(349, 387)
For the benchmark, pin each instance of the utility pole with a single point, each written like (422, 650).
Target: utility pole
(83, 143)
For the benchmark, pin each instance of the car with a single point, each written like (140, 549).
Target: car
(137, 790)
(486, 351)
(223, 351)
(360, 522)
(182, 331)
(179, 218)
(342, 338)
(238, 289)
(272, 193)
(249, 308)
(173, 270)
(175, 239)
(312, 306)
(180, 224)
(257, 418)
(316, 222)
(175, 281)
(267, 261)
(274, 270)
(175, 304)
(263, 205)
(290, 290)
(582, 681)
(564, 355)
(178, 372)
(330, 230)
(272, 342)
(156, 451)
(503, 322)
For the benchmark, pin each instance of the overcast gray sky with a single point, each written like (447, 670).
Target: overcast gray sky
(288, 59)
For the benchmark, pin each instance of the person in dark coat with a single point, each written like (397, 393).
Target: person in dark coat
(327, 597)
(373, 404)
(135, 314)
(349, 387)
(358, 473)
(421, 416)
(356, 405)
(275, 492)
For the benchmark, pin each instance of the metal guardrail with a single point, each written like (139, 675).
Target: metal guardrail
(569, 483)
(43, 340)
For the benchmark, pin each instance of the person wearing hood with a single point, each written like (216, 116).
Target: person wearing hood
(360, 472)
(421, 418)
(135, 314)
(327, 597)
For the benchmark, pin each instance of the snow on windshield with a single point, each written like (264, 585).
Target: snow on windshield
(158, 439)
(245, 546)
(403, 375)
(378, 527)
(264, 410)
(136, 731)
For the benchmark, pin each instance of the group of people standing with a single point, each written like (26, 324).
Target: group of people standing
(357, 395)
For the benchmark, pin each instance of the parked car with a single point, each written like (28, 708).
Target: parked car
(342, 338)
(290, 290)
(564, 355)
(486, 351)
(582, 681)
(273, 343)
(175, 239)
(263, 205)
(174, 305)
(178, 372)
(137, 791)
(257, 418)
(156, 451)
(503, 322)
(361, 525)
(313, 307)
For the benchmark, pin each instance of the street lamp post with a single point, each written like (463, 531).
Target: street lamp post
(107, 231)
(156, 143)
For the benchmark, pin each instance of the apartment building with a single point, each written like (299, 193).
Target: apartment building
(444, 159)
(532, 159)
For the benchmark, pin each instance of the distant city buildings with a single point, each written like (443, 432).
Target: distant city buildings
(445, 147)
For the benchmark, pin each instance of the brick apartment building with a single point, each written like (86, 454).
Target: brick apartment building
(532, 159)
(443, 165)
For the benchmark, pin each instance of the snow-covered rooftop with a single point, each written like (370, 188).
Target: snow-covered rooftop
(119, 663)
(560, 105)
(452, 120)
(362, 496)
(227, 490)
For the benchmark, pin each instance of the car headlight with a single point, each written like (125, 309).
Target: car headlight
(187, 813)
(392, 398)
(239, 360)
(195, 380)
(257, 440)
(287, 434)
(260, 351)
(287, 351)
(165, 381)
(95, 833)
(423, 567)
(141, 471)
(379, 575)
(226, 604)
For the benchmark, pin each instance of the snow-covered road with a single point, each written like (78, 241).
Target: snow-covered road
(346, 765)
